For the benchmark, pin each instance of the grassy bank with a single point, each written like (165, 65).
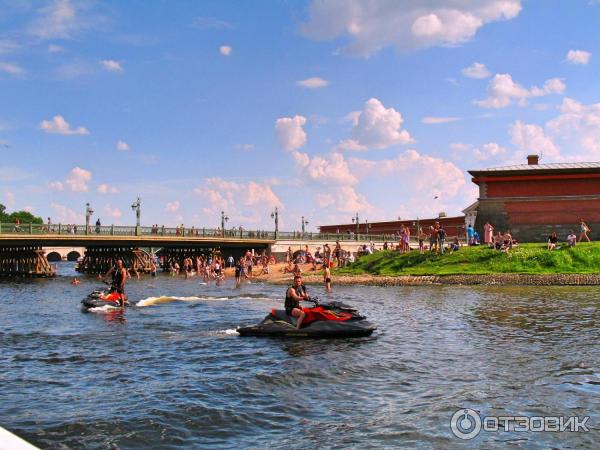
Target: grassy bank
(523, 259)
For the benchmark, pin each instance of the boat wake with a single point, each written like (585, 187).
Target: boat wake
(151, 301)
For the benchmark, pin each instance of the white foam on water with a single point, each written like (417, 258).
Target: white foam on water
(231, 332)
(150, 301)
(104, 308)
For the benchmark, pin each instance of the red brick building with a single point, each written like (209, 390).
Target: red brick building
(532, 200)
(453, 225)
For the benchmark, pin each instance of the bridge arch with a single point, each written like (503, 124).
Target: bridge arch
(54, 256)
(73, 255)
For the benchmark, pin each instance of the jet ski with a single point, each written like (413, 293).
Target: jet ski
(323, 320)
(103, 298)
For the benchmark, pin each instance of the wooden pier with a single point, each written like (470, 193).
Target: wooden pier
(24, 261)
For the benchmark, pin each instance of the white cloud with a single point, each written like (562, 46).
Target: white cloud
(246, 147)
(578, 56)
(437, 120)
(66, 215)
(111, 65)
(330, 169)
(489, 150)
(58, 125)
(376, 127)
(9, 199)
(56, 185)
(343, 199)
(503, 91)
(408, 24)
(225, 50)
(56, 20)
(477, 71)
(53, 48)
(12, 69)
(205, 23)
(112, 211)
(578, 123)
(290, 134)
(8, 46)
(531, 139)
(313, 83)
(106, 189)
(250, 201)
(28, 208)
(77, 179)
(122, 146)
(172, 206)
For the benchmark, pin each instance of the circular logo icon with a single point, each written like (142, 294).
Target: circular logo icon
(465, 424)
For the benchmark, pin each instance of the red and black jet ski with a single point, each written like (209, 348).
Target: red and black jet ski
(324, 320)
(104, 298)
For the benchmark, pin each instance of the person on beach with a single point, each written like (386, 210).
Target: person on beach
(488, 234)
(552, 241)
(239, 272)
(572, 239)
(293, 296)
(584, 230)
(327, 277)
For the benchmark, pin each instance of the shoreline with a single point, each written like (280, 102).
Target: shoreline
(276, 276)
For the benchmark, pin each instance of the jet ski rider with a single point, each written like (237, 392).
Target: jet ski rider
(294, 295)
(119, 276)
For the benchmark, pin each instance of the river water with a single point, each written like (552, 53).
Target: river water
(171, 373)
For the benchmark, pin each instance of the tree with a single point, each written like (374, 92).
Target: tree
(24, 217)
(3, 215)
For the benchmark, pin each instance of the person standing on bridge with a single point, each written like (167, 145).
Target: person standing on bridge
(98, 226)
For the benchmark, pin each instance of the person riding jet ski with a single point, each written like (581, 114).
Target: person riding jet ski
(119, 277)
(293, 296)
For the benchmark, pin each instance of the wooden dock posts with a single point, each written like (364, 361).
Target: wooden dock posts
(24, 261)
(102, 259)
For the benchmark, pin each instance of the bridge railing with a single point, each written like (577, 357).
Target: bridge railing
(200, 233)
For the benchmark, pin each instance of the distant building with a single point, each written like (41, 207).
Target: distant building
(454, 226)
(532, 200)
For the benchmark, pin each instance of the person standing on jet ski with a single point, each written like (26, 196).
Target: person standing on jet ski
(294, 295)
(119, 276)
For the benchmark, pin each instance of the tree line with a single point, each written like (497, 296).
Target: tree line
(23, 216)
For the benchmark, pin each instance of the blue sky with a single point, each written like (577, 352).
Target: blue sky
(320, 108)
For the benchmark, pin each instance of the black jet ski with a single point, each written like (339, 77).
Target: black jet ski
(103, 298)
(324, 320)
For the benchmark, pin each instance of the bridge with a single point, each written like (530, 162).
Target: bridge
(24, 248)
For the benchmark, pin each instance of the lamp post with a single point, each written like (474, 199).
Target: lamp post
(88, 213)
(137, 207)
(224, 219)
(304, 222)
(275, 215)
(367, 227)
(357, 221)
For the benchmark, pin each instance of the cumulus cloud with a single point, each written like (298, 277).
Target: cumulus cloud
(313, 83)
(112, 211)
(77, 179)
(579, 123)
(290, 134)
(406, 25)
(225, 50)
(578, 56)
(329, 169)
(503, 91)
(122, 146)
(111, 65)
(437, 120)
(489, 150)
(376, 127)
(530, 138)
(106, 189)
(172, 206)
(56, 185)
(477, 71)
(64, 214)
(58, 125)
(12, 69)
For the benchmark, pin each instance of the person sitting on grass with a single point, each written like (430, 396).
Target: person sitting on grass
(455, 245)
(552, 241)
(572, 239)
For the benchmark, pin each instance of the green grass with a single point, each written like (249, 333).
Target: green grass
(525, 258)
